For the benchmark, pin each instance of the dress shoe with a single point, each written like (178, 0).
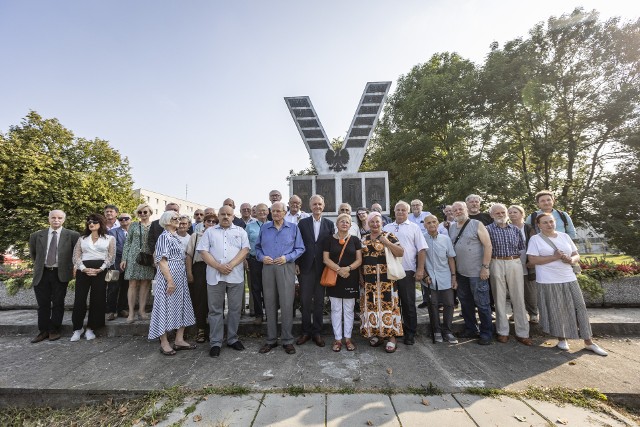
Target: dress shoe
(111, 316)
(318, 340)
(54, 336)
(267, 348)
(40, 337)
(214, 352)
(409, 340)
(236, 346)
(484, 341)
(303, 339)
(289, 348)
(525, 341)
(423, 305)
(502, 338)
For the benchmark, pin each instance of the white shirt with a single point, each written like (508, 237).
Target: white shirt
(184, 240)
(104, 249)
(353, 230)
(224, 244)
(411, 240)
(295, 219)
(316, 228)
(554, 271)
(418, 220)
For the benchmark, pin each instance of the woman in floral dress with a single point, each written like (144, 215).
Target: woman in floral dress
(379, 304)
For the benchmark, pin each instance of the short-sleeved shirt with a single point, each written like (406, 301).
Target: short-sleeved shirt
(554, 271)
(224, 244)
(437, 261)
(411, 240)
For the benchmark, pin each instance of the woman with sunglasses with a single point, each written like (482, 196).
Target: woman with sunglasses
(361, 217)
(172, 308)
(139, 276)
(95, 251)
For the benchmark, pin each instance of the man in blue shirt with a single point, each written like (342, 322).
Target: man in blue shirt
(255, 266)
(279, 245)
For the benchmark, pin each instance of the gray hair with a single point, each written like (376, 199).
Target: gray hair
(402, 203)
(473, 196)
(165, 218)
(497, 205)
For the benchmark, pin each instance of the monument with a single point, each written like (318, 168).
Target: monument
(338, 179)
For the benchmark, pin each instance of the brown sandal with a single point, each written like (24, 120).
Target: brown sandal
(350, 346)
(200, 338)
(337, 346)
(375, 341)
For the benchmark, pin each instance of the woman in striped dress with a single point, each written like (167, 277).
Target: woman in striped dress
(172, 307)
(563, 312)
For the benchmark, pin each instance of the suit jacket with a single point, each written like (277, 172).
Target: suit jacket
(118, 233)
(38, 251)
(155, 230)
(313, 248)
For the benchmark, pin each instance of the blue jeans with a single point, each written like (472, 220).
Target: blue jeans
(474, 292)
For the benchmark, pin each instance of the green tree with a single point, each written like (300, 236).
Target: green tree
(43, 166)
(561, 104)
(430, 138)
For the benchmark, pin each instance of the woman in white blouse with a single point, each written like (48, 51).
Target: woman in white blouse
(92, 256)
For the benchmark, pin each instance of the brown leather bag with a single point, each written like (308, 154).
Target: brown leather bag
(329, 276)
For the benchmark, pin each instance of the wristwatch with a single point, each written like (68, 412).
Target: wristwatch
(485, 266)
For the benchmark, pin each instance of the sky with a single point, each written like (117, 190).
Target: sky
(191, 92)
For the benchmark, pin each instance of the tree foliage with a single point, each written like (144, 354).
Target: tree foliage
(554, 110)
(43, 166)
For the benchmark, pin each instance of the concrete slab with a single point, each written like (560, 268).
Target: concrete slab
(230, 411)
(178, 414)
(575, 416)
(346, 410)
(279, 410)
(503, 411)
(420, 411)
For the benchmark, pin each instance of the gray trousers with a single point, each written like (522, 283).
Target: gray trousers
(216, 294)
(278, 285)
(531, 296)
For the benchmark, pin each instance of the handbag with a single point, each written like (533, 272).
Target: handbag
(143, 258)
(329, 276)
(575, 267)
(112, 276)
(395, 271)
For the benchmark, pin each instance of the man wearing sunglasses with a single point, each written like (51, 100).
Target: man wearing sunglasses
(117, 303)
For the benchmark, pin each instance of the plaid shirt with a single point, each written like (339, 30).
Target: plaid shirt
(505, 241)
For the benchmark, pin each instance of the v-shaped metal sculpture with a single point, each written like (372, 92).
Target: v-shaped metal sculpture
(348, 158)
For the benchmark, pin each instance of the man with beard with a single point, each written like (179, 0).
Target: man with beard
(473, 202)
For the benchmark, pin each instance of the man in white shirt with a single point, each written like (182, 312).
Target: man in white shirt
(345, 208)
(417, 215)
(295, 214)
(415, 246)
(224, 247)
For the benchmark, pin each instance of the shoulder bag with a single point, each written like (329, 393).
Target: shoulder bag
(576, 267)
(395, 271)
(143, 258)
(329, 276)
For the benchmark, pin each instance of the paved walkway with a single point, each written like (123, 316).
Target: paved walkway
(406, 410)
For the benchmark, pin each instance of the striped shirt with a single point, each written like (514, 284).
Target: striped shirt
(505, 241)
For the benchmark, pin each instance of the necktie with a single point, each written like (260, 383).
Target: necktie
(53, 250)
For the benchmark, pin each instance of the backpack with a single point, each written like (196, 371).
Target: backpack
(563, 217)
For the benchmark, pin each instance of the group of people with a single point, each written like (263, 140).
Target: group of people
(482, 257)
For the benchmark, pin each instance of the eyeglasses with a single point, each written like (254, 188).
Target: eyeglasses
(344, 210)
(124, 218)
(93, 221)
(175, 218)
(198, 214)
(210, 221)
(143, 212)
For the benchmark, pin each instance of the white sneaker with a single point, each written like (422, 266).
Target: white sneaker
(89, 335)
(451, 339)
(438, 337)
(563, 345)
(76, 335)
(596, 349)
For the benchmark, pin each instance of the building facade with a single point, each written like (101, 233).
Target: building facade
(158, 201)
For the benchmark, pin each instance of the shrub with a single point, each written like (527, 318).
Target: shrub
(590, 286)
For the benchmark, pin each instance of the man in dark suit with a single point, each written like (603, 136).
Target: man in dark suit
(51, 250)
(313, 230)
(155, 230)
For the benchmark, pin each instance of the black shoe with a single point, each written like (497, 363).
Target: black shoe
(468, 334)
(236, 346)
(289, 348)
(409, 340)
(423, 305)
(267, 348)
(214, 352)
(484, 341)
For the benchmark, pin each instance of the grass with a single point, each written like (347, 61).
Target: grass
(617, 259)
